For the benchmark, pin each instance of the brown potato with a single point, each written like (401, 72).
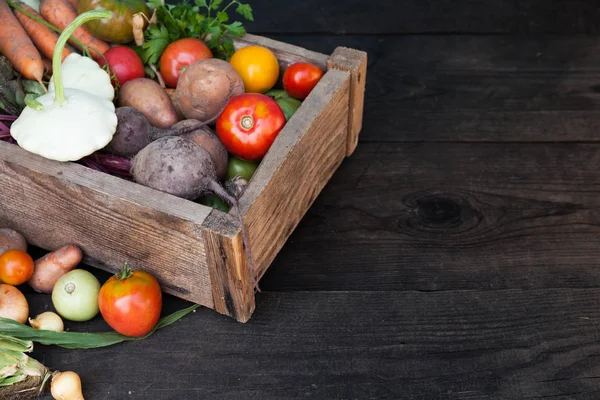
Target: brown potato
(203, 88)
(151, 99)
(171, 93)
(11, 239)
(206, 138)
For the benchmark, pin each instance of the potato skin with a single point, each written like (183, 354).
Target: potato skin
(209, 140)
(151, 99)
(11, 239)
(171, 92)
(203, 87)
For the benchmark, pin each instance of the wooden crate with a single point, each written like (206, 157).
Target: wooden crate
(195, 252)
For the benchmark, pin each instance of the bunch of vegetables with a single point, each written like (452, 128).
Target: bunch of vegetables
(149, 92)
(130, 302)
(153, 93)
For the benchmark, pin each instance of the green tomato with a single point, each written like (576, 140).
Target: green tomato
(118, 28)
(210, 200)
(75, 295)
(241, 168)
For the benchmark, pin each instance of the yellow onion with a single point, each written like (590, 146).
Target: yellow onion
(66, 386)
(47, 321)
(13, 304)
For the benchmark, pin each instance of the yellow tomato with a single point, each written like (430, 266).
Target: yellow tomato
(258, 67)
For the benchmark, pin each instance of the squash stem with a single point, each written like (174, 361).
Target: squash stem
(59, 90)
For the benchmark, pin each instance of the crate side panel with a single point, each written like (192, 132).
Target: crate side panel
(55, 203)
(355, 62)
(298, 165)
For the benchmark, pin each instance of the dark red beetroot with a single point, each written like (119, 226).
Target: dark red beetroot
(134, 132)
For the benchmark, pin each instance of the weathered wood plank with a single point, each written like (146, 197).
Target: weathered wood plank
(231, 279)
(457, 345)
(113, 220)
(450, 216)
(417, 16)
(355, 62)
(462, 88)
(299, 163)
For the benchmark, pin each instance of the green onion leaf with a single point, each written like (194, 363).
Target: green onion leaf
(81, 340)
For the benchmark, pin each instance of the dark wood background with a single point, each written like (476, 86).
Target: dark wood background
(455, 255)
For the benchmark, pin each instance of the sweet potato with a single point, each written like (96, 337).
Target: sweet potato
(11, 239)
(151, 99)
(52, 266)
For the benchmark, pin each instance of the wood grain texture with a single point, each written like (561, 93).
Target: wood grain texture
(441, 216)
(231, 279)
(456, 345)
(384, 17)
(112, 220)
(301, 160)
(476, 88)
(355, 62)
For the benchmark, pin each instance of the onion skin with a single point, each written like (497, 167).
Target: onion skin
(13, 304)
(47, 321)
(52, 266)
(66, 386)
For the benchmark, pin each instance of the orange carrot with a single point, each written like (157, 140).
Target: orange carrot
(60, 14)
(43, 37)
(17, 47)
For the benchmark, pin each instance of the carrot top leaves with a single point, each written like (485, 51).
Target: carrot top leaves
(14, 90)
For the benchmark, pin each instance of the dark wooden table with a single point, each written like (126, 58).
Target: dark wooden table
(455, 255)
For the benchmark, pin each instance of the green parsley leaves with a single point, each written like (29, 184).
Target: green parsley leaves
(207, 20)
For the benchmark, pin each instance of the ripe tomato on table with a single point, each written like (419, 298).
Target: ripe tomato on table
(16, 267)
(131, 302)
(300, 78)
(249, 124)
(179, 55)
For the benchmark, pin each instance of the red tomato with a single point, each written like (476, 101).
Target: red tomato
(16, 267)
(249, 124)
(131, 302)
(178, 55)
(124, 62)
(299, 79)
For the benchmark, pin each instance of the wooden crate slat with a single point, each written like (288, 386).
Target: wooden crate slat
(355, 62)
(301, 161)
(113, 220)
(231, 280)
